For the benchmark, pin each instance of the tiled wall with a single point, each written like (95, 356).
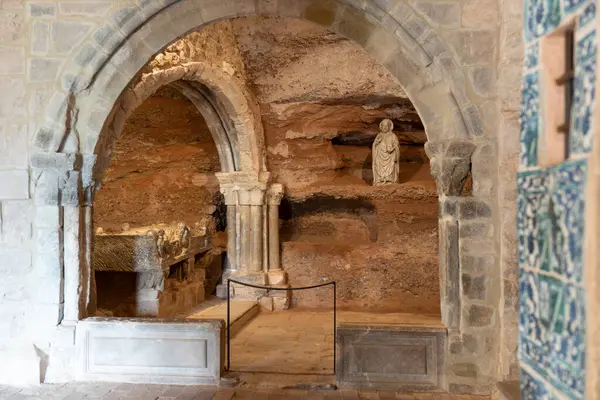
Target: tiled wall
(550, 219)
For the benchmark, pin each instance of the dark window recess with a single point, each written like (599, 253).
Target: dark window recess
(566, 81)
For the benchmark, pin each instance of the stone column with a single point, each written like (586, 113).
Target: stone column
(245, 230)
(274, 196)
(257, 198)
(232, 228)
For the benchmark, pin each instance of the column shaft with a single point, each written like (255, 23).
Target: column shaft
(231, 238)
(256, 238)
(245, 245)
(274, 257)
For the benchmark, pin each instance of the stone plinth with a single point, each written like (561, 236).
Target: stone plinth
(161, 351)
(394, 357)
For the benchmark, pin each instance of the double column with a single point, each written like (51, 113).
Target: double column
(252, 228)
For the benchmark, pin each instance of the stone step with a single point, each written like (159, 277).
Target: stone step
(241, 313)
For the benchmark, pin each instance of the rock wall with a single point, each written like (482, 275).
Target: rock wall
(322, 98)
(163, 167)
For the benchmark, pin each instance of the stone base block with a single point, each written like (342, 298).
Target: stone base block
(282, 299)
(281, 303)
(277, 277)
(390, 357)
(175, 352)
(266, 303)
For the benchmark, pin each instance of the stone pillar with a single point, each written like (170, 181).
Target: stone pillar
(245, 230)
(257, 198)
(232, 228)
(274, 196)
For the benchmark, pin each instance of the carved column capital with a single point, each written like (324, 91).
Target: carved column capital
(275, 194)
(251, 196)
(230, 194)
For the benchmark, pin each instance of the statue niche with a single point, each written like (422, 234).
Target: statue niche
(386, 155)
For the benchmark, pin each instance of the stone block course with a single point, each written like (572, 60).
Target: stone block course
(17, 216)
(65, 35)
(480, 13)
(13, 145)
(14, 97)
(479, 315)
(474, 287)
(473, 46)
(12, 27)
(441, 13)
(127, 19)
(43, 69)
(13, 60)
(14, 262)
(15, 185)
(483, 80)
(108, 38)
(40, 40)
(84, 8)
(42, 10)
(472, 208)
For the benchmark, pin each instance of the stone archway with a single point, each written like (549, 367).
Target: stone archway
(72, 142)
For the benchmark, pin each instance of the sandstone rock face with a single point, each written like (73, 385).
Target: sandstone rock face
(321, 101)
(163, 167)
(289, 60)
(322, 98)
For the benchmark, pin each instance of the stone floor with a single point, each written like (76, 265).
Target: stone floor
(301, 341)
(114, 391)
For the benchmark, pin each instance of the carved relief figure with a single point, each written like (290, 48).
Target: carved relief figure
(386, 155)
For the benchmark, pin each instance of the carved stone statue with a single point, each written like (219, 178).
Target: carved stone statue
(386, 155)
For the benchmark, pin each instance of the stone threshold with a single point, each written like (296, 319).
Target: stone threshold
(242, 312)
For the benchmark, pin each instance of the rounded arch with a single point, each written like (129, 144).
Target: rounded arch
(390, 31)
(230, 114)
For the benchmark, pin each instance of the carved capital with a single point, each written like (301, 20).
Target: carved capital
(450, 165)
(251, 196)
(230, 195)
(275, 194)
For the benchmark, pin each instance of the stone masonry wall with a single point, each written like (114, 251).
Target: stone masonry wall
(444, 55)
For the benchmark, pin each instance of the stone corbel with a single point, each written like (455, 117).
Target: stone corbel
(450, 165)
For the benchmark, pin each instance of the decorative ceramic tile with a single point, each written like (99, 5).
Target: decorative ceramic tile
(588, 14)
(567, 220)
(572, 5)
(550, 218)
(586, 48)
(567, 356)
(584, 95)
(529, 115)
(532, 55)
(531, 388)
(542, 16)
(532, 201)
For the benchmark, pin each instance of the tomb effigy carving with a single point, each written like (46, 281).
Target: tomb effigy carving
(386, 155)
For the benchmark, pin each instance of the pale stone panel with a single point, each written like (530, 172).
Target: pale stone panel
(15, 185)
(151, 351)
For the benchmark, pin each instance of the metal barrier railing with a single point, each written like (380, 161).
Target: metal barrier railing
(229, 281)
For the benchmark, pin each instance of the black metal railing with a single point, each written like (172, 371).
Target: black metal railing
(229, 281)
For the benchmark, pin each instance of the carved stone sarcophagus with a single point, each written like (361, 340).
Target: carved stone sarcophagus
(151, 271)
